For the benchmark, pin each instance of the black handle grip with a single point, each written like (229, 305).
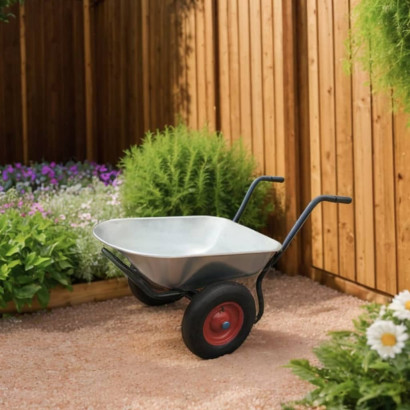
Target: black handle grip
(271, 179)
(251, 189)
(336, 199)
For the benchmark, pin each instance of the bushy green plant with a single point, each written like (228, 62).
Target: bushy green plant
(186, 172)
(381, 41)
(78, 209)
(367, 368)
(35, 256)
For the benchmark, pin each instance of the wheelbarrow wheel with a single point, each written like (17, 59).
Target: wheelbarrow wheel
(147, 300)
(218, 319)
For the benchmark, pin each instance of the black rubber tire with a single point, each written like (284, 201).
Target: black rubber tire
(147, 300)
(202, 305)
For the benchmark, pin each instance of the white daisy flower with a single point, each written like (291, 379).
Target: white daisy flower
(386, 338)
(401, 305)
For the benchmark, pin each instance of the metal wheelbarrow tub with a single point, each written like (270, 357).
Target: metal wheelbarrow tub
(197, 257)
(188, 252)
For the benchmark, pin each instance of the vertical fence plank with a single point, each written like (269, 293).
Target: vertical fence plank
(191, 55)
(314, 125)
(146, 63)
(292, 154)
(384, 194)
(23, 61)
(256, 81)
(224, 80)
(402, 178)
(234, 84)
(280, 126)
(327, 132)
(245, 73)
(201, 67)
(210, 63)
(344, 140)
(363, 168)
(88, 81)
(268, 76)
(11, 90)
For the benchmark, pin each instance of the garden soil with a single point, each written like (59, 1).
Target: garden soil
(119, 354)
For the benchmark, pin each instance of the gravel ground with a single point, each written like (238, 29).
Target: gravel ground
(119, 354)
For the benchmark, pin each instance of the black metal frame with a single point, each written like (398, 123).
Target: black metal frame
(138, 278)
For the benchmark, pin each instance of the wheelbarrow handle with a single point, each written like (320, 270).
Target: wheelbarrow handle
(251, 189)
(304, 216)
(295, 229)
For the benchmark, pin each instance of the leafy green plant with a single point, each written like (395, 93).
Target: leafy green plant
(381, 42)
(35, 256)
(187, 172)
(367, 368)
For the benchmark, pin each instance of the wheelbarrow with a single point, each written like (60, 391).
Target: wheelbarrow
(199, 257)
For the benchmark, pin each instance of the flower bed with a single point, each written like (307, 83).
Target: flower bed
(47, 212)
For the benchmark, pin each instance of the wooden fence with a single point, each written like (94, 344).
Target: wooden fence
(87, 79)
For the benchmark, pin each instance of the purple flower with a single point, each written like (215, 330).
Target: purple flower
(106, 176)
(45, 170)
(74, 169)
(5, 175)
(53, 181)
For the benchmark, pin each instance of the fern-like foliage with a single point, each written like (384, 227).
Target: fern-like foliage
(381, 42)
(180, 171)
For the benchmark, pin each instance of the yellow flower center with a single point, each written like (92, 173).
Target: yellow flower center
(407, 305)
(388, 339)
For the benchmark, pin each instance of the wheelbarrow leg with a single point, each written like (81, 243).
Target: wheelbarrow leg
(292, 233)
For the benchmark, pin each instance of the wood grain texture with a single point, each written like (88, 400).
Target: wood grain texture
(402, 178)
(314, 128)
(327, 133)
(384, 194)
(344, 141)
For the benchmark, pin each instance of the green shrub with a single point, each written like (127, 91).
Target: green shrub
(35, 256)
(368, 368)
(381, 41)
(184, 172)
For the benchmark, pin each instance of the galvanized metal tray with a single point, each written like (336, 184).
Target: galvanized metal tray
(188, 251)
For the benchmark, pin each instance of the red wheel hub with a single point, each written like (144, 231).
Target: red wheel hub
(223, 323)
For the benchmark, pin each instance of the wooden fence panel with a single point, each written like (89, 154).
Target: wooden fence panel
(251, 90)
(117, 77)
(11, 138)
(55, 80)
(358, 148)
